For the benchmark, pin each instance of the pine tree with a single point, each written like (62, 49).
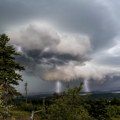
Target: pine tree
(9, 71)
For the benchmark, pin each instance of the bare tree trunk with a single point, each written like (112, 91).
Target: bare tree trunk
(26, 91)
(32, 116)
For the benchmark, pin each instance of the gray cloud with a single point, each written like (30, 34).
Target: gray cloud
(88, 17)
(97, 21)
(110, 60)
(109, 56)
(87, 71)
(110, 84)
(36, 85)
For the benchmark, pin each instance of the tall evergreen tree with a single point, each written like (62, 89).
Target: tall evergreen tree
(9, 70)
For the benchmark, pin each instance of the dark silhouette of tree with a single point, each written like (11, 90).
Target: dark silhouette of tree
(9, 71)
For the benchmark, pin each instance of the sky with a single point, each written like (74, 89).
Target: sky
(65, 42)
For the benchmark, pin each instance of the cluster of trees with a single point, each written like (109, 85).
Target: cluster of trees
(68, 105)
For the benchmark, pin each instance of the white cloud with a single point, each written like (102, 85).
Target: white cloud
(47, 39)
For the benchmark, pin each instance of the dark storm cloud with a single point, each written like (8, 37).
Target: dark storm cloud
(88, 17)
(96, 19)
(44, 48)
(53, 58)
(44, 44)
(35, 61)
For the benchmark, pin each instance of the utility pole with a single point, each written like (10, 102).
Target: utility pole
(68, 85)
(44, 101)
(26, 91)
(44, 107)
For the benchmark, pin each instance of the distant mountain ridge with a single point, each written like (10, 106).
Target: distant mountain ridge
(92, 95)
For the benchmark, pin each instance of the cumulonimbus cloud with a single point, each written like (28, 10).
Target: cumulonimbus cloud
(42, 44)
(47, 39)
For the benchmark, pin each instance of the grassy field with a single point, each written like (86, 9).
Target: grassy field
(22, 115)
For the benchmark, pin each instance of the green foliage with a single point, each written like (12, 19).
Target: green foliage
(67, 112)
(9, 73)
(68, 107)
(28, 107)
(112, 111)
(97, 109)
(115, 101)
